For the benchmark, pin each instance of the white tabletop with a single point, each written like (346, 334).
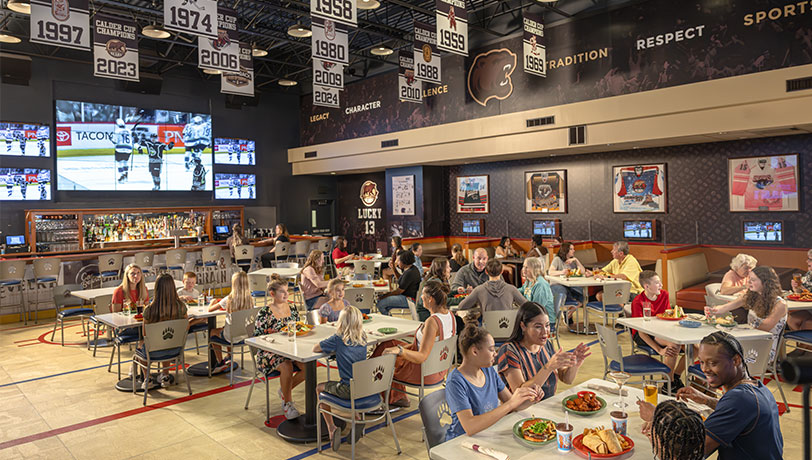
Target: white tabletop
(120, 320)
(673, 332)
(283, 272)
(580, 281)
(90, 294)
(368, 284)
(377, 261)
(301, 349)
(791, 304)
(500, 435)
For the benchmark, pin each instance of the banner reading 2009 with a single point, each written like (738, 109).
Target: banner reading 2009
(223, 52)
(426, 57)
(115, 48)
(61, 23)
(535, 53)
(452, 26)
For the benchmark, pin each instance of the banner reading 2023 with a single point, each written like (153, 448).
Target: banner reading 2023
(452, 26)
(223, 52)
(61, 23)
(115, 48)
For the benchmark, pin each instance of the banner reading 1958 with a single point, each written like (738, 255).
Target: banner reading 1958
(426, 57)
(115, 48)
(452, 26)
(198, 17)
(240, 83)
(61, 23)
(409, 88)
(342, 11)
(330, 41)
(223, 52)
(535, 53)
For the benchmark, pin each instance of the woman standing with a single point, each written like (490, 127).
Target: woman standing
(312, 278)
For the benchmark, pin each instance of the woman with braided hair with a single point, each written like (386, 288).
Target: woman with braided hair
(676, 432)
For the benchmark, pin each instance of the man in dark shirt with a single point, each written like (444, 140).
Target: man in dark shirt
(407, 285)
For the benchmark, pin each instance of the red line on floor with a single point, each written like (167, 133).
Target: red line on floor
(120, 415)
(24, 327)
(27, 344)
(27, 340)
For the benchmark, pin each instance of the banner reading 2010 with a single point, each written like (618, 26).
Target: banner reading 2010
(61, 23)
(452, 26)
(115, 48)
(223, 52)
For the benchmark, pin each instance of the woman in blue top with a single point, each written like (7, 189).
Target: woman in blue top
(349, 346)
(536, 288)
(474, 390)
(744, 423)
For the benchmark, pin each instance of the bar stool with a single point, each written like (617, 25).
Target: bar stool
(12, 273)
(110, 266)
(46, 273)
(145, 260)
(281, 251)
(301, 249)
(325, 245)
(244, 257)
(212, 274)
(176, 262)
(69, 307)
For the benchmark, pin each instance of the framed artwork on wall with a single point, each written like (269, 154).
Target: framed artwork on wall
(473, 195)
(639, 188)
(545, 191)
(766, 183)
(403, 203)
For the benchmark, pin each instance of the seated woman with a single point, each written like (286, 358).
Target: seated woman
(802, 319)
(474, 390)
(312, 279)
(537, 248)
(439, 326)
(440, 270)
(528, 358)
(494, 294)
(165, 306)
(563, 261)
(341, 256)
(735, 280)
(239, 299)
(407, 285)
(392, 271)
(132, 291)
(236, 239)
(675, 431)
(330, 310)
(744, 422)
(281, 235)
(503, 250)
(766, 310)
(458, 259)
(536, 288)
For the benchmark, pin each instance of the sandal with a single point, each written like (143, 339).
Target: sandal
(335, 439)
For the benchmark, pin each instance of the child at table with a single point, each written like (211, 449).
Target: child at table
(188, 293)
(133, 289)
(165, 306)
(238, 299)
(349, 346)
(330, 310)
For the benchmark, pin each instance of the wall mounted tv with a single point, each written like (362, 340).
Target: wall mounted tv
(25, 139)
(117, 148)
(548, 228)
(229, 151)
(473, 227)
(25, 184)
(763, 231)
(235, 186)
(641, 230)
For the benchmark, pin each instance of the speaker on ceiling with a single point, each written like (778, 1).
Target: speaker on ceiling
(234, 101)
(149, 83)
(15, 69)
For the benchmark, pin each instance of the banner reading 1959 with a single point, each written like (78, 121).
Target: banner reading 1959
(409, 88)
(61, 23)
(330, 41)
(240, 83)
(426, 57)
(535, 53)
(452, 26)
(223, 52)
(198, 17)
(343, 11)
(115, 48)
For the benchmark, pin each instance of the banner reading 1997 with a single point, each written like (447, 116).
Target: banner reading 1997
(115, 48)
(343, 11)
(330, 41)
(61, 23)
(535, 53)
(452, 26)
(426, 57)
(409, 88)
(240, 83)
(198, 17)
(223, 52)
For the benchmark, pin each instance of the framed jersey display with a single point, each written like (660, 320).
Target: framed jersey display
(639, 188)
(545, 191)
(768, 183)
(472, 194)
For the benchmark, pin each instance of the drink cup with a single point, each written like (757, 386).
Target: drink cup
(650, 392)
(291, 331)
(647, 313)
(564, 437)
(619, 421)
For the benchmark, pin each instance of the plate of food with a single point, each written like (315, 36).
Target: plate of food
(302, 328)
(696, 316)
(586, 404)
(138, 317)
(534, 432)
(672, 314)
(380, 283)
(690, 323)
(357, 285)
(388, 330)
(366, 317)
(192, 303)
(461, 296)
(804, 296)
(602, 443)
(574, 273)
(726, 321)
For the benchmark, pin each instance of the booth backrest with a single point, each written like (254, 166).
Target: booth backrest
(687, 271)
(588, 256)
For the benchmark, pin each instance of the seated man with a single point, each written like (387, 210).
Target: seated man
(417, 250)
(473, 274)
(494, 294)
(408, 283)
(624, 266)
(802, 319)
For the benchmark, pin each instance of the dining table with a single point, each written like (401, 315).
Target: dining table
(792, 305)
(382, 286)
(583, 283)
(300, 349)
(284, 272)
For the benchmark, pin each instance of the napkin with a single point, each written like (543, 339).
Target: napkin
(485, 450)
(610, 390)
(268, 339)
(375, 333)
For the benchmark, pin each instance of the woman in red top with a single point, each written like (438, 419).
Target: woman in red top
(132, 289)
(341, 256)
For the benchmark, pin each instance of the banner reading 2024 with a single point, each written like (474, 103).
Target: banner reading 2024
(223, 52)
(115, 48)
(61, 23)
(452, 26)
(240, 83)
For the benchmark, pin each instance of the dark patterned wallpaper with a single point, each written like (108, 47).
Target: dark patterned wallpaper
(697, 193)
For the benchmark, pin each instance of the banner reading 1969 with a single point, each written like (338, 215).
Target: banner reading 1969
(535, 53)
(115, 48)
(426, 57)
(240, 83)
(452, 26)
(409, 88)
(61, 23)
(223, 52)
(343, 11)
(198, 17)
(330, 41)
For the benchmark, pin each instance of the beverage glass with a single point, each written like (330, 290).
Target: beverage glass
(620, 378)
(707, 313)
(291, 331)
(647, 313)
(563, 432)
(619, 421)
(650, 392)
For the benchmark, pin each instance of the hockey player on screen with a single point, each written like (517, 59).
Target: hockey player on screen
(42, 138)
(42, 179)
(198, 175)
(155, 150)
(123, 139)
(196, 136)
(232, 149)
(20, 136)
(8, 136)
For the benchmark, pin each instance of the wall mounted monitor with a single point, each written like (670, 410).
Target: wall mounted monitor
(235, 186)
(15, 240)
(103, 147)
(548, 228)
(221, 229)
(473, 227)
(25, 139)
(642, 230)
(763, 231)
(25, 184)
(229, 151)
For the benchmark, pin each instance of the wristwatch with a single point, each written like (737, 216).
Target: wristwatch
(400, 350)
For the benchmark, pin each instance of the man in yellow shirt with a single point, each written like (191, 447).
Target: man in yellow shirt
(624, 266)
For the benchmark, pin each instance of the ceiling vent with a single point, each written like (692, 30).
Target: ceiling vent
(799, 84)
(577, 135)
(390, 143)
(533, 122)
(310, 154)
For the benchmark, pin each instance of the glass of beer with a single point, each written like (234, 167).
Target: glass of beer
(650, 392)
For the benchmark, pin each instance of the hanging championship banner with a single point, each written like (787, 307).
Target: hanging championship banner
(198, 17)
(330, 41)
(326, 73)
(535, 54)
(452, 26)
(426, 57)
(325, 97)
(223, 52)
(240, 83)
(115, 48)
(61, 23)
(342, 11)
(409, 88)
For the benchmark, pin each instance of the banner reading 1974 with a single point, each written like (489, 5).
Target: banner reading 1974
(426, 57)
(61, 23)
(198, 17)
(452, 26)
(409, 88)
(115, 48)
(240, 83)
(535, 53)
(343, 11)
(330, 41)
(223, 52)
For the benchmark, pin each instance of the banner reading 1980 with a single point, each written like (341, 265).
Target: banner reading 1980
(115, 48)
(223, 52)
(330, 41)
(61, 23)
(452, 26)
(240, 83)
(535, 53)
(409, 88)
(426, 57)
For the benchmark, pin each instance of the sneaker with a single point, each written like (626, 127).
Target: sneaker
(359, 431)
(165, 380)
(403, 402)
(222, 366)
(290, 411)
(335, 439)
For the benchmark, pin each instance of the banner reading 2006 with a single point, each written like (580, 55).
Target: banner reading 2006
(61, 23)
(535, 53)
(223, 52)
(240, 83)
(198, 17)
(426, 57)
(115, 48)
(452, 26)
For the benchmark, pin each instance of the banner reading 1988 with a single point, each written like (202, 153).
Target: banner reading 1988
(409, 88)
(452, 26)
(198, 17)
(426, 57)
(330, 41)
(240, 83)
(343, 11)
(115, 48)
(535, 53)
(61, 23)
(223, 52)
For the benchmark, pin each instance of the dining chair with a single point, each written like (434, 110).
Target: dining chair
(46, 273)
(259, 375)
(257, 284)
(163, 341)
(234, 334)
(411, 307)
(370, 378)
(364, 267)
(244, 257)
(145, 260)
(69, 307)
(440, 359)
(499, 323)
(110, 266)
(433, 408)
(301, 250)
(362, 298)
(799, 337)
(101, 305)
(756, 358)
(12, 286)
(615, 295)
(281, 251)
(643, 366)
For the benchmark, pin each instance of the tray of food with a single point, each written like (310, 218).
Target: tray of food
(584, 403)
(302, 328)
(672, 314)
(804, 296)
(534, 432)
(380, 283)
(726, 321)
(602, 443)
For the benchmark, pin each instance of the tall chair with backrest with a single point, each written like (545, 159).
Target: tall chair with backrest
(257, 283)
(244, 256)
(12, 286)
(281, 251)
(499, 323)
(615, 295)
(642, 366)
(69, 307)
(213, 275)
(163, 341)
(370, 378)
(176, 262)
(145, 260)
(363, 298)
(433, 408)
(300, 250)
(110, 266)
(46, 273)
(234, 334)
(101, 306)
(440, 359)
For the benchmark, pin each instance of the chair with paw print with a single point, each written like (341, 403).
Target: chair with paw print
(440, 359)
(499, 323)
(163, 341)
(433, 409)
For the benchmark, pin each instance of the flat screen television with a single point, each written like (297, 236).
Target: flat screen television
(763, 231)
(643, 230)
(221, 229)
(235, 186)
(25, 139)
(473, 227)
(548, 228)
(15, 240)
(25, 184)
(104, 147)
(228, 151)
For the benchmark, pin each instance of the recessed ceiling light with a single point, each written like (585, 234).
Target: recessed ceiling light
(381, 51)
(258, 52)
(19, 6)
(212, 71)
(286, 82)
(368, 4)
(6, 38)
(155, 31)
(299, 31)
(333, 173)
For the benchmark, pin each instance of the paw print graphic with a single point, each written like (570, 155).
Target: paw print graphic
(503, 323)
(168, 333)
(359, 298)
(750, 356)
(378, 373)
(444, 354)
